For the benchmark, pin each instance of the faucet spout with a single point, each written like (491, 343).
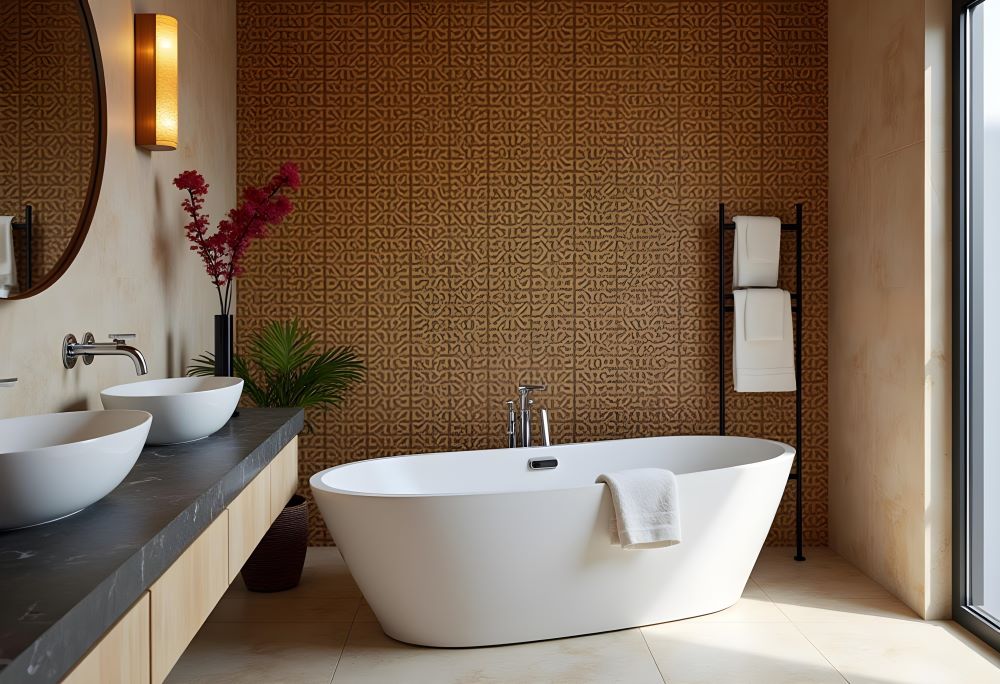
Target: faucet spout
(137, 358)
(525, 403)
(89, 348)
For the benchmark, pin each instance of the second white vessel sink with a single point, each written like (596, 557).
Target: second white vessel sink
(57, 464)
(184, 409)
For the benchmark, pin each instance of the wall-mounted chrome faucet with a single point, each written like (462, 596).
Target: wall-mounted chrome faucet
(8, 382)
(519, 416)
(72, 350)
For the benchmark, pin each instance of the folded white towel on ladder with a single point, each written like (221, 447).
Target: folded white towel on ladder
(8, 263)
(763, 344)
(756, 251)
(646, 508)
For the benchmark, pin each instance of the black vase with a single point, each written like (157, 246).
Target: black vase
(224, 345)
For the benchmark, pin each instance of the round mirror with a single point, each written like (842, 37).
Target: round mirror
(52, 138)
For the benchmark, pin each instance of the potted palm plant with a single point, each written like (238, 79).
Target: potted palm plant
(284, 367)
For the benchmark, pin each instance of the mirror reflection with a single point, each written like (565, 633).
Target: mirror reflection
(48, 139)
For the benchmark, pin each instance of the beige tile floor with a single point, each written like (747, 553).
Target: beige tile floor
(818, 621)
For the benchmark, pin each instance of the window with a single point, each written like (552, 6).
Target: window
(977, 317)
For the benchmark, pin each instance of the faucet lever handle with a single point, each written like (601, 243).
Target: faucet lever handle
(511, 422)
(121, 336)
(7, 382)
(530, 388)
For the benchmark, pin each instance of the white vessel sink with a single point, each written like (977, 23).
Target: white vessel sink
(57, 464)
(184, 409)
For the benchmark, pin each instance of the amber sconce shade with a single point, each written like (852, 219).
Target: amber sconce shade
(156, 82)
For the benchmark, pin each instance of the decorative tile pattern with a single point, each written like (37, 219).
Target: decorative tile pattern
(46, 125)
(502, 191)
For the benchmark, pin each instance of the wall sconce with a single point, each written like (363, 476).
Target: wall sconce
(156, 82)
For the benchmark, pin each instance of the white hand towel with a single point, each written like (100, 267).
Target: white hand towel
(756, 251)
(647, 508)
(763, 361)
(767, 324)
(8, 264)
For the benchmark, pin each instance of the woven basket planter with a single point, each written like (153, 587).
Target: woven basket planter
(276, 563)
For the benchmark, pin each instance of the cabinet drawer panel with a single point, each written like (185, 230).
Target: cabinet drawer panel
(249, 518)
(122, 655)
(284, 476)
(183, 597)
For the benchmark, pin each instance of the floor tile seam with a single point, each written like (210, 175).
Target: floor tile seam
(849, 596)
(820, 651)
(758, 624)
(656, 664)
(343, 650)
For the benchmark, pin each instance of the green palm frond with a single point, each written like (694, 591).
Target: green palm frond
(284, 370)
(202, 366)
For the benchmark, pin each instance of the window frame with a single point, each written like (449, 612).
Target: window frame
(980, 623)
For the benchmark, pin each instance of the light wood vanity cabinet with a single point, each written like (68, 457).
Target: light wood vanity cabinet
(184, 596)
(284, 476)
(249, 518)
(122, 656)
(150, 638)
(257, 506)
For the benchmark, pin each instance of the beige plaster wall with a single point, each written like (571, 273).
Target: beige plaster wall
(135, 272)
(889, 317)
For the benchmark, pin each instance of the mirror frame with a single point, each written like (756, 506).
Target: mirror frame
(97, 167)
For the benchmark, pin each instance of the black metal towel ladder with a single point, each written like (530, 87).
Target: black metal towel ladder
(724, 307)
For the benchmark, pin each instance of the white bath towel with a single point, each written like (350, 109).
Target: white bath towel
(765, 321)
(763, 345)
(8, 264)
(756, 251)
(646, 508)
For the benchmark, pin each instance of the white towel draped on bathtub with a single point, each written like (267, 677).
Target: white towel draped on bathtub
(646, 508)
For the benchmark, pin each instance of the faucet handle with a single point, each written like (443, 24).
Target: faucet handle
(8, 382)
(546, 437)
(523, 389)
(121, 337)
(511, 423)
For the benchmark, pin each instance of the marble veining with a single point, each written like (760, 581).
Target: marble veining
(67, 582)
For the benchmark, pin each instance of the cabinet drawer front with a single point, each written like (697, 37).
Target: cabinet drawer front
(183, 597)
(122, 655)
(249, 518)
(284, 476)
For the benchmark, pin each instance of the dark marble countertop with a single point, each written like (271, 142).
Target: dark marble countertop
(64, 584)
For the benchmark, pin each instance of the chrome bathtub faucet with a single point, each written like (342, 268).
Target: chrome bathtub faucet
(519, 416)
(72, 350)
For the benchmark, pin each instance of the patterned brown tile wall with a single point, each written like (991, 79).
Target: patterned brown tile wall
(505, 191)
(46, 124)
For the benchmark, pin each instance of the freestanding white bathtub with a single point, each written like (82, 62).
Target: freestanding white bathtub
(473, 548)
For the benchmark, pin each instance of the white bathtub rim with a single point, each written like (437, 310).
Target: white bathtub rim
(316, 480)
